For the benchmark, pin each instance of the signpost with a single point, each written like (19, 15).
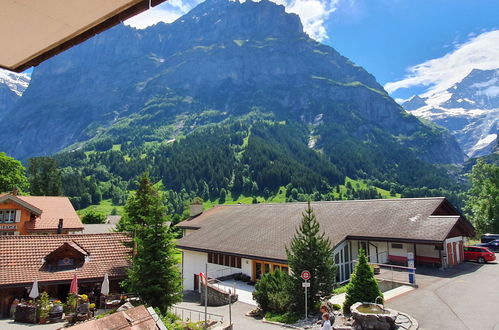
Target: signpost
(305, 275)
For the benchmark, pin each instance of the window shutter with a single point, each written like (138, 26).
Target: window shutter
(18, 215)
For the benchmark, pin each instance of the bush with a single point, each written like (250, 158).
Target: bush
(92, 216)
(341, 289)
(363, 286)
(336, 307)
(271, 292)
(287, 317)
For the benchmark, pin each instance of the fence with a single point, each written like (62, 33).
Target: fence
(186, 314)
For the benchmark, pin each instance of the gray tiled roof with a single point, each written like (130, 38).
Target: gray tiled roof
(263, 230)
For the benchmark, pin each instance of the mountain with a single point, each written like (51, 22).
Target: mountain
(469, 109)
(12, 86)
(230, 94)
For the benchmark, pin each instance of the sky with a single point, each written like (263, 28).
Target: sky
(410, 46)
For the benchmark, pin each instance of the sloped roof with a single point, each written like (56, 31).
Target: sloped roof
(53, 208)
(263, 230)
(137, 318)
(15, 199)
(33, 31)
(22, 257)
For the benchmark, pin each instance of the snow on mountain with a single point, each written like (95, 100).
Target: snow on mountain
(12, 86)
(16, 82)
(469, 109)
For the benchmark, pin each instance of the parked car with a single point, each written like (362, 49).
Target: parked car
(492, 245)
(489, 237)
(478, 253)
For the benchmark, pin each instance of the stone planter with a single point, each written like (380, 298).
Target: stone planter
(373, 316)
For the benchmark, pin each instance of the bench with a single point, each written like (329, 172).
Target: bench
(397, 260)
(432, 261)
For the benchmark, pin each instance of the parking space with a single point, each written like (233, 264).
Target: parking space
(465, 297)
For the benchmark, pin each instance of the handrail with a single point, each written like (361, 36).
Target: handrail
(195, 311)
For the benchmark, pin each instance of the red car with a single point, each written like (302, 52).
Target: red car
(477, 253)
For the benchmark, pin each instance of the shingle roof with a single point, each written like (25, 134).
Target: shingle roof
(137, 318)
(21, 257)
(263, 230)
(53, 208)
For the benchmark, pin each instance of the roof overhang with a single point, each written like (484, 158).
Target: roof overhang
(35, 210)
(35, 30)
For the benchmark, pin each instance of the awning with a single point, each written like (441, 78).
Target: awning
(32, 31)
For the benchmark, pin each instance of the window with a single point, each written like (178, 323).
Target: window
(6, 233)
(397, 246)
(224, 260)
(7, 216)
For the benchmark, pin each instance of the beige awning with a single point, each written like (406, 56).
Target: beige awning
(32, 31)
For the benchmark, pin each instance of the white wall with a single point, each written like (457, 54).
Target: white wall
(195, 262)
(427, 250)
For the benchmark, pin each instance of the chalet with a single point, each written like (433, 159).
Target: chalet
(251, 239)
(54, 259)
(25, 215)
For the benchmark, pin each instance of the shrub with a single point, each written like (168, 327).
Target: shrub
(44, 305)
(288, 317)
(363, 286)
(271, 292)
(336, 307)
(92, 216)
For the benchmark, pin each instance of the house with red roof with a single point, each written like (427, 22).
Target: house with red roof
(28, 215)
(54, 260)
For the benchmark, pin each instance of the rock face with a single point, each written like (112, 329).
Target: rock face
(227, 56)
(469, 109)
(12, 86)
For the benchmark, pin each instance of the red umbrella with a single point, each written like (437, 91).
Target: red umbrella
(74, 285)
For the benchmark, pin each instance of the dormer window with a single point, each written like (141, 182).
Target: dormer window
(7, 216)
(66, 257)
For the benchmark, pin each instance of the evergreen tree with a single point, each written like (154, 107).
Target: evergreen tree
(483, 197)
(12, 174)
(44, 176)
(363, 286)
(154, 274)
(310, 250)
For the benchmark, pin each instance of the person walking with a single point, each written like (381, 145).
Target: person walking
(327, 323)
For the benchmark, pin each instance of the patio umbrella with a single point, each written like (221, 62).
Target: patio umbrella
(105, 286)
(34, 293)
(74, 285)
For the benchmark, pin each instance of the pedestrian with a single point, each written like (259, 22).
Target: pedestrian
(324, 309)
(327, 323)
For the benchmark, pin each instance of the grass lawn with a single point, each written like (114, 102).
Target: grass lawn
(343, 188)
(105, 207)
(288, 317)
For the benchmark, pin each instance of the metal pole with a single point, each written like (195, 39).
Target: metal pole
(206, 297)
(230, 307)
(306, 301)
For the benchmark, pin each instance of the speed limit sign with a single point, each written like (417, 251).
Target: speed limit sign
(305, 275)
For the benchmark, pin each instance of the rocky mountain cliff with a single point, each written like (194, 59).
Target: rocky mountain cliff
(469, 109)
(12, 87)
(222, 60)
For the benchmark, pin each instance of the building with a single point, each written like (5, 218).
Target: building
(251, 239)
(25, 215)
(54, 259)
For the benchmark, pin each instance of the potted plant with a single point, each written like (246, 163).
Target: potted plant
(44, 306)
(70, 308)
(55, 314)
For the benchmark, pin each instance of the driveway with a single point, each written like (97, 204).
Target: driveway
(466, 297)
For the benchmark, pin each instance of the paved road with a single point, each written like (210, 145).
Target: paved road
(464, 298)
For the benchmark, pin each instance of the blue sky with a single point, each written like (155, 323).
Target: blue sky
(411, 46)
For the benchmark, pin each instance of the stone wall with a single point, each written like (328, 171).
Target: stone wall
(216, 296)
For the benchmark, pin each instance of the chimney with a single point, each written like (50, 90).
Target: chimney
(196, 209)
(59, 226)
(15, 191)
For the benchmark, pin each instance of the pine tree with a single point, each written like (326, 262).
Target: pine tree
(312, 251)
(153, 274)
(363, 286)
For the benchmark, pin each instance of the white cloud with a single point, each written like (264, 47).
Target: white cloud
(166, 12)
(480, 52)
(313, 14)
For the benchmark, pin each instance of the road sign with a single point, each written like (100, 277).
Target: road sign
(305, 275)
(306, 284)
